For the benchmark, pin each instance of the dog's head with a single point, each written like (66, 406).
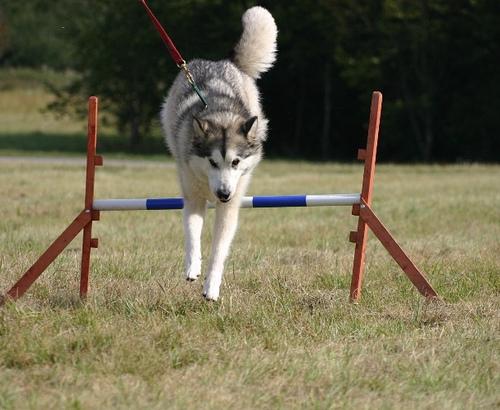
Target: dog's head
(225, 148)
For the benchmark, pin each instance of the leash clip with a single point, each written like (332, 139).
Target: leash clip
(190, 79)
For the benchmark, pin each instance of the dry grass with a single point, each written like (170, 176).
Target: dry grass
(283, 335)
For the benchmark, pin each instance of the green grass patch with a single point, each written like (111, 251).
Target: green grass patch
(39, 143)
(283, 334)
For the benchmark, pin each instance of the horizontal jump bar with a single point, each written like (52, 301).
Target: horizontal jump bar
(277, 201)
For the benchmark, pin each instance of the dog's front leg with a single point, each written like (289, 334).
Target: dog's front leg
(226, 221)
(194, 214)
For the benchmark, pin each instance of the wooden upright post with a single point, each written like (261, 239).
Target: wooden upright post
(369, 155)
(92, 161)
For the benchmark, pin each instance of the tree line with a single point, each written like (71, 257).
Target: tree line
(436, 62)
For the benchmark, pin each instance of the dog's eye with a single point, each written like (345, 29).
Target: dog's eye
(235, 162)
(213, 163)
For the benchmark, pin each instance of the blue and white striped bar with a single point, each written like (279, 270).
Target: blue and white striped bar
(276, 201)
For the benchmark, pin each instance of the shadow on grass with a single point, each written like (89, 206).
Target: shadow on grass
(76, 143)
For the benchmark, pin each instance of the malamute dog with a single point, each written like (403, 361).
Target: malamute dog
(217, 148)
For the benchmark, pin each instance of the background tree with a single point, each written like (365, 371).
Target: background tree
(435, 61)
(36, 33)
(429, 58)
(4, 42)
(121, 58)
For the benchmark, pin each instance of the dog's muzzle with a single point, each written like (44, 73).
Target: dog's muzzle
(223, 195)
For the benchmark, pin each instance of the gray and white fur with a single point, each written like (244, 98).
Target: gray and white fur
(217, 148)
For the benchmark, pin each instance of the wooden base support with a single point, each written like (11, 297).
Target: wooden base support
(32, 274)
(384, 236)
(83, 222)
(366, 217)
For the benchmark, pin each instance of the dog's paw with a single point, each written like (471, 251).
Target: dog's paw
(211, 292)
(211, 297)
(191, 277)
(192, 274)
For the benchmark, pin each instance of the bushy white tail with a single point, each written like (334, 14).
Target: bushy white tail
(255, 53)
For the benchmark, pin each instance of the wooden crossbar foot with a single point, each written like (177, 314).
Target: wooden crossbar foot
(414, 274)
(32, 274)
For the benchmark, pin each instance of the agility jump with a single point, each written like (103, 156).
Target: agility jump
(360, 202)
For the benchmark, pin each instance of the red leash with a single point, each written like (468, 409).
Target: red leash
(174, 53)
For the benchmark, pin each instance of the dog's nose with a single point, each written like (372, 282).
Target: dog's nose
(223, 194)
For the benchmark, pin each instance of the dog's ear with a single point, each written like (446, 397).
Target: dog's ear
(249, 128)
(201, 127)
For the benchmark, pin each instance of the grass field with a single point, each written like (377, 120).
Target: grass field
(283, 334)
